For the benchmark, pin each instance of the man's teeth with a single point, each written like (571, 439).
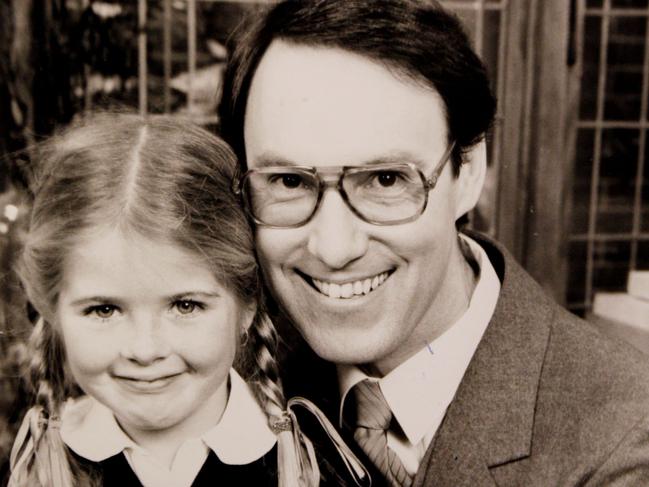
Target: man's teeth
(350, 289)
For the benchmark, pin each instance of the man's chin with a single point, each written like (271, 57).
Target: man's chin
(345, 351)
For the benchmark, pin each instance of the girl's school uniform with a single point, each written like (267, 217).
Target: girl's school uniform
(240, 450)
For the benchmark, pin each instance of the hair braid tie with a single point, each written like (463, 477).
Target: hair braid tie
(287, 422)
(53, 423)
(281, 423)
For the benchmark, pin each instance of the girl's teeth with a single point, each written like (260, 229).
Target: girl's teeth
(350, 289)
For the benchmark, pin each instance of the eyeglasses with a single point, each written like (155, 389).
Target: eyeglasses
(380, 194)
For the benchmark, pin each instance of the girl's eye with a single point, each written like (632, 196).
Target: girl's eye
(103, 311)
(186, 306)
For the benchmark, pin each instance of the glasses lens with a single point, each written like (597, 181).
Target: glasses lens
(281, 197)
(385, 194)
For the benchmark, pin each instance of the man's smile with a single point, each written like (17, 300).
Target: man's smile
(348, 289)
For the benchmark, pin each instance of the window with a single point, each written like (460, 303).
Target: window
(609, 227)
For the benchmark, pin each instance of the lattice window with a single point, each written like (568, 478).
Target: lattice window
(609, 231)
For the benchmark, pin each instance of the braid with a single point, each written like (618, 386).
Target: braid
(295, 469)
(38, 456)
(264, 343)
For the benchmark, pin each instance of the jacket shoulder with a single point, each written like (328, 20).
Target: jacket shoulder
(591, 395)
(592, 385)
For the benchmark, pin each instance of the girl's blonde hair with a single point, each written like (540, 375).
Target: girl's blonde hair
(164, 179)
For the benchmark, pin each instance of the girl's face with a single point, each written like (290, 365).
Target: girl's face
(149, 332)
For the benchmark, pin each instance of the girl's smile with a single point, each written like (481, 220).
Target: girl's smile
(151, 386)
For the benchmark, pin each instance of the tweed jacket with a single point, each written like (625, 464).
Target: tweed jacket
(546, 400)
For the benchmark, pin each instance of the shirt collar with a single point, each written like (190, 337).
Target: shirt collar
(241, 436)
(84, 421)
(420, 389)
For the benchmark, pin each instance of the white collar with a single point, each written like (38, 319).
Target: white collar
(241, 436)
(419, 390)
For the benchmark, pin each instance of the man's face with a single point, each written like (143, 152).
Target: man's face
(327, 107)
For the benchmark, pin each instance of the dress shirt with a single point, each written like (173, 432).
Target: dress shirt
(242, 436)
(420, 390)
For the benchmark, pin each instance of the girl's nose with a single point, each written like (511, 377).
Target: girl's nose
(146, 344)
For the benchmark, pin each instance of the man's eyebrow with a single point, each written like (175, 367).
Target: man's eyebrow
(267, 160)
(270, 160)
(396, 158)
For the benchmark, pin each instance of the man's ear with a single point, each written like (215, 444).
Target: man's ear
(471, 179)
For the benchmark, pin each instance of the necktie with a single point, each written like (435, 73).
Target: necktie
(373, 420)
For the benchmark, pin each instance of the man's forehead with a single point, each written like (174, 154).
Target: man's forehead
(309, 65)
(330, 104)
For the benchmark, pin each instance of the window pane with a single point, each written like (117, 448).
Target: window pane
(582, 180)
(619, 161)
(576, 272)
(624, 68)
(111, 57)
(590, 73)
(642, 262)
(214, 24)
(490, 50)
(611, 266)
(629, 3)
(644, 224)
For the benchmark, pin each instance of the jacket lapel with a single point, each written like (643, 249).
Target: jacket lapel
(490, 421)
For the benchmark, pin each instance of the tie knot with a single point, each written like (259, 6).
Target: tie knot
(372, 409)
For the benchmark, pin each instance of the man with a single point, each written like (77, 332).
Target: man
(361, 124)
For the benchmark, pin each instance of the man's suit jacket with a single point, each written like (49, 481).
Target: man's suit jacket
(546, 400)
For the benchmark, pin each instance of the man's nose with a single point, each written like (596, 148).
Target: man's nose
(146, 344)
(336, 235)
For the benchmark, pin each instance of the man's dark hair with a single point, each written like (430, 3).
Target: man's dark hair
(413, 38)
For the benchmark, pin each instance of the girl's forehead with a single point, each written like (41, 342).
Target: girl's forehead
(111, 259)
(121, 238)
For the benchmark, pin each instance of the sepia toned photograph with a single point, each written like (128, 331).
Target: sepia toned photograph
(304, 243)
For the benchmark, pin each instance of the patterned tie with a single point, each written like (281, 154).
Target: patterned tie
(373, 420)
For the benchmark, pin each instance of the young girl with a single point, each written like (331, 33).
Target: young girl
(141, 266)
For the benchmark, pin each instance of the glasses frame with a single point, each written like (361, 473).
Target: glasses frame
(336, 175)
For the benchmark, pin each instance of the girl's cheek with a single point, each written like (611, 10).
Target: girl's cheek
(208, 355)
(89, 354)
